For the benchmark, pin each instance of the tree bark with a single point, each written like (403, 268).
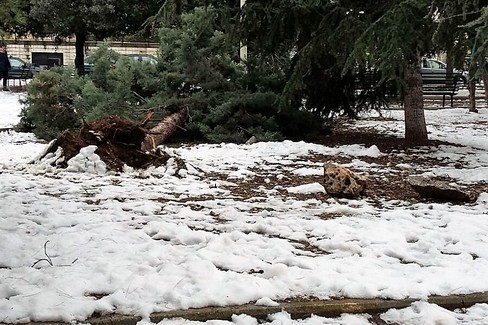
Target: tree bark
(472, 96)
(449, 62)
(164, 129)
(80, 53)
(485, 85)
(415, 127)
(472, 86)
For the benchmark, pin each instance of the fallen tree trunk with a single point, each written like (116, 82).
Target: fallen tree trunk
(164, 129)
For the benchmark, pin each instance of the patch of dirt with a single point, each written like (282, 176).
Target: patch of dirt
(119, 142)
(401, 159)
(387, 178)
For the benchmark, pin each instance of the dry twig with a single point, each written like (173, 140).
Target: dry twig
(47, 259)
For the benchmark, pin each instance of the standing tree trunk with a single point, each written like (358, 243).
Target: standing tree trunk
(449, 62)
(472, 86)
(472, 96)
(415, 127)
(485, 85)
(80, 53)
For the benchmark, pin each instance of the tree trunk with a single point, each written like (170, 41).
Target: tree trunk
(472, 96)
(472, 86)
(415, 127)
(485, 85)
(164, 129)
(80, 53)
(449, 62)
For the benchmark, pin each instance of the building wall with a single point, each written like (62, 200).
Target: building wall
(26, 47)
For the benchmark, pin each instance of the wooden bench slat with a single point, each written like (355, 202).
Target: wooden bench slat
(440, 84)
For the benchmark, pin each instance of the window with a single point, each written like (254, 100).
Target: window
(16, 63)
(437, 65)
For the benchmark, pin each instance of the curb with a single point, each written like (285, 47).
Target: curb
(297, 309)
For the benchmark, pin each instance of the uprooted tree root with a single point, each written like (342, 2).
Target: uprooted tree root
(118, 142)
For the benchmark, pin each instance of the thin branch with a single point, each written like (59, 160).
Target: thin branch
(461, 15)
(139, 97)
(47, 259)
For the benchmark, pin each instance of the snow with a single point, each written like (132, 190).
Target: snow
(85, 240)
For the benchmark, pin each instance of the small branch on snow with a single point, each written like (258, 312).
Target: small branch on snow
(47, 259)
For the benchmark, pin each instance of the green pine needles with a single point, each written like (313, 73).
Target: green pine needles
(198, 67)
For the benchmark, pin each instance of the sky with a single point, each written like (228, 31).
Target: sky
(85, 240)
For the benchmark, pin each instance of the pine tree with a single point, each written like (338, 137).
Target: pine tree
(481, 52)
(10, 15)
(300, 34)
(228, 100)
(394, 42)
(352, 36)
(458, 35)
(85, 18)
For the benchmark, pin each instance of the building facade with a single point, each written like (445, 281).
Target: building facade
(45, 53)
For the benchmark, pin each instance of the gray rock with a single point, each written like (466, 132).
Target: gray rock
(251, 140)
(440, 189)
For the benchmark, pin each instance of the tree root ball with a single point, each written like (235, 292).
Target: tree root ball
(118, 141)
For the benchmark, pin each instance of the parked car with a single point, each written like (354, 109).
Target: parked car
(438, 68)
(20, 69)
(144, 58)
(88, 66)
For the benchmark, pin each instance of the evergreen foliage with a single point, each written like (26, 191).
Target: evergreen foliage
(58, 99)
(117, 86)
(401, 35)
(229, 101)
(52, 104)
(199, 67)
(457, 33)
(308, 61)
(87, 18)
(479, 54)
(312, 37)
(10, 15)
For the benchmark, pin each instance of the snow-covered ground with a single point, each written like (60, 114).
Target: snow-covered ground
(77, 242)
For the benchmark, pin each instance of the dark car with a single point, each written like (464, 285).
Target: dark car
(20, 69)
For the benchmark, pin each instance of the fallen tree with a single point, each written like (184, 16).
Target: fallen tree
(120, 142)
(164, 129)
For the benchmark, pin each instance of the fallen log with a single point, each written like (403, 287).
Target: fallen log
(164, 129)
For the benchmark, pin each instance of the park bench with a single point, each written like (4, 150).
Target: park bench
(440, 84)
(24, 74)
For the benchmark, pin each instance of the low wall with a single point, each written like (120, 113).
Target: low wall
(25, 49)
